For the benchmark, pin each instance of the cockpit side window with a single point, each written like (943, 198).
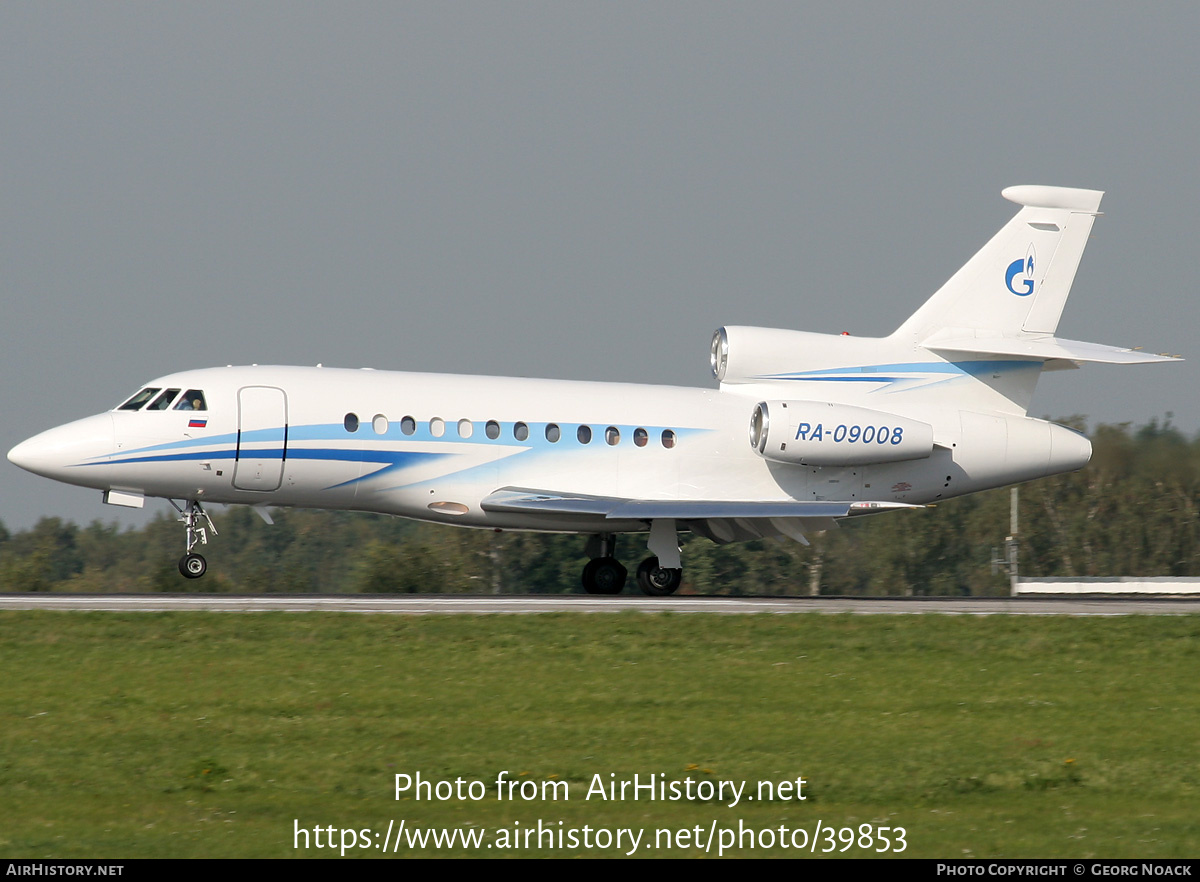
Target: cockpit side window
(136, 402)
(162, 402)
(193, 399)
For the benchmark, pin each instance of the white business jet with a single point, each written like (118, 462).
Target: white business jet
(803, 429)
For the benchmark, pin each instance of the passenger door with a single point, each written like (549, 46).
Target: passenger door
(262, 438)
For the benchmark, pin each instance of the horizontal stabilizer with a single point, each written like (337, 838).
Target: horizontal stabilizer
(613, 508)
(1064, 198)
(1045, 349)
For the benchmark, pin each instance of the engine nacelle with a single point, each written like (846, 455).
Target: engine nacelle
(754, 355)
(818, 433)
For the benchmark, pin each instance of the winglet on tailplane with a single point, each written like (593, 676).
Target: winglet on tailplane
(1007, 299)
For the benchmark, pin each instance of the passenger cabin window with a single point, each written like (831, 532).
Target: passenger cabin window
(612, 436)
(668, 439)
(552, 433)
(193, 399)
(408, 425)
(351, 422)
(492, 429)
(136, 402)
(162, 402)
(520, 431)
(584, 434)
(640, 437)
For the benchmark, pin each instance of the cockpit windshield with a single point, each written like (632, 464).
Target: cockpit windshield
(192, 399)
(136, 402)
(162, 402)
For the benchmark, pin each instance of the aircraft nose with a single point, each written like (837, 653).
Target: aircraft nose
(23, 454)
(54, 453)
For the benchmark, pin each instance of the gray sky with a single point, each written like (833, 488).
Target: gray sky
(563, 189)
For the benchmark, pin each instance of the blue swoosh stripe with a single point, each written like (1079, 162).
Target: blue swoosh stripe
(392, 458)
(864, 373)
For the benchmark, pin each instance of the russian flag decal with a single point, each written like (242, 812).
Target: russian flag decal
(197, 424)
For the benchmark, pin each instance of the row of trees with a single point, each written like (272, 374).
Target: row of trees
(1131, 512)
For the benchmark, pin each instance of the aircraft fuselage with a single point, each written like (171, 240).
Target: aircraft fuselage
(420, 446)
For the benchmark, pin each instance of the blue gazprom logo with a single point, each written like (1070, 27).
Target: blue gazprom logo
(1018, 267)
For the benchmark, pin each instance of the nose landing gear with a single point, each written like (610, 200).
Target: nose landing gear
(192, 565)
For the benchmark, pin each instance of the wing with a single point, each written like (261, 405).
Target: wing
(721, 520)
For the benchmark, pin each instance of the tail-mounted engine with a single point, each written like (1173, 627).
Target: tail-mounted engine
(740, 354)
(819, 433)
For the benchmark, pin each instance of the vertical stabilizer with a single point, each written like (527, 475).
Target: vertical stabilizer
(1017, 284)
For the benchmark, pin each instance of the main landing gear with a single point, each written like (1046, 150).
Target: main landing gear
(604, 574)
(658, 581)
(193, 565)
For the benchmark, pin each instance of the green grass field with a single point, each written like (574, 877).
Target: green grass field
(214, 735)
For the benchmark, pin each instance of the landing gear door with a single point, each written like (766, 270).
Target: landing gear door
(262, 438)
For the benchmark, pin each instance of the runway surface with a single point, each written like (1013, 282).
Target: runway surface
(459, 604)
